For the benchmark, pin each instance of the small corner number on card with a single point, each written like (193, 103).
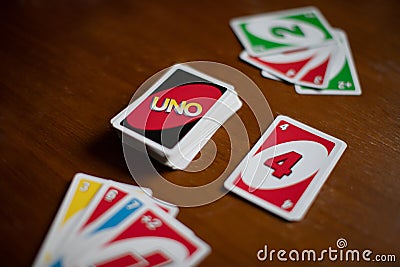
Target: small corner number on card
(150, 222)
(284, 126)
(84, 187)
(287, 204)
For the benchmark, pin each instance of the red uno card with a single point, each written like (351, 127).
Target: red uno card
(150, 238)
(286, 168)
(308, 67)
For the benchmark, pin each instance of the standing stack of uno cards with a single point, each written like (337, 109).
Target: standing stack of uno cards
(103, 223)
(175, 117)
(286, 168)
(300, 47)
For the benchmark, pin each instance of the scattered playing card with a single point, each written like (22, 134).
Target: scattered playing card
(79, 195)
(282, 31)
(144, 233)
(343, 79)
(300, 47)
(106, 223)
(308, 67)
(286, 168)
(177, 114)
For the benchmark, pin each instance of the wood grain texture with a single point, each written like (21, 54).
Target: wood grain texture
(67, 67)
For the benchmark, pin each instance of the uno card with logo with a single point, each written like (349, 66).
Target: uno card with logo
(177, 114)
(342, 79)
(175, 109)
(286, 168)
(282, 31)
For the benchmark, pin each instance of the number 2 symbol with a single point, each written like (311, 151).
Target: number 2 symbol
(281, 31)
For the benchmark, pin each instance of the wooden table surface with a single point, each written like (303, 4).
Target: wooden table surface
(67, 67)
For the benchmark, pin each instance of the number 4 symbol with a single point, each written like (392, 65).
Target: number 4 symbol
(284, 126)
(283, 164)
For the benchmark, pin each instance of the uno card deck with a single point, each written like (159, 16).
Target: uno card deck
(172, 115)
(286, 168)
(106, 223)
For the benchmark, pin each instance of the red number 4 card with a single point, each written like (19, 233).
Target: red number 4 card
(286, 168)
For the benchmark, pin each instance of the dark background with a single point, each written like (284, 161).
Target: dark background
(67, 67)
